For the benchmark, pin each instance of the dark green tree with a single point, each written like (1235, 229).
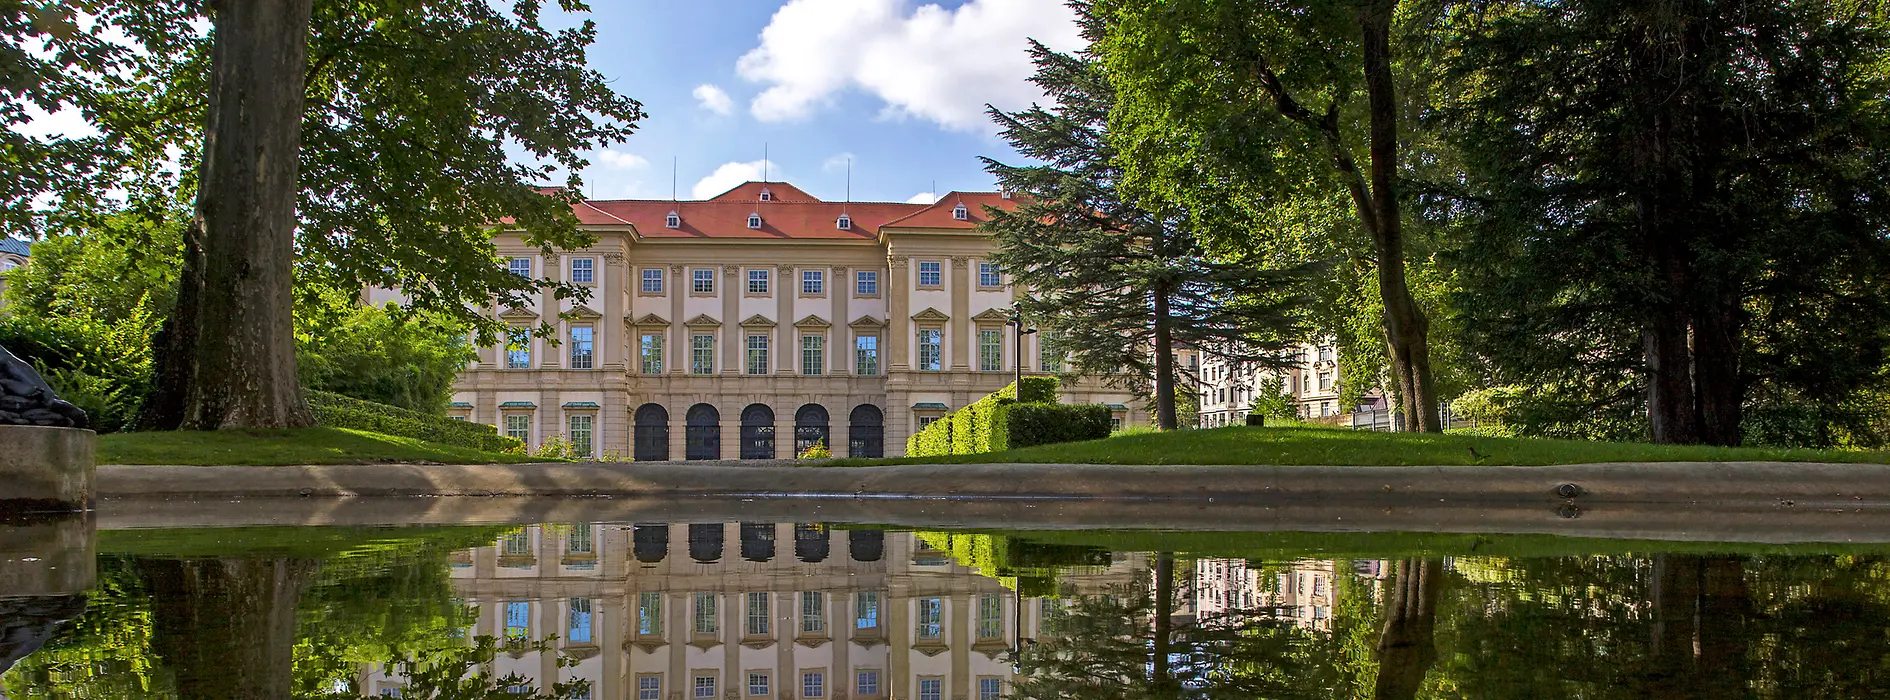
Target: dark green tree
(1118, 283)
(1692, 194)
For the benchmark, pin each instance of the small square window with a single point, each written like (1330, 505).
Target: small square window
(844, 223)
(652, 281)
(931, 274)
(866, 283)
(702, 281)
(584, 270)
(989, 275)
(754, 221)
(813, 684)
(813, 282)
(758, 684)
(521, 267)
(961, 213)
(672, 221)
(757, 281)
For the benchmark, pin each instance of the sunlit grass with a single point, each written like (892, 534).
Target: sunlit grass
(281, 447)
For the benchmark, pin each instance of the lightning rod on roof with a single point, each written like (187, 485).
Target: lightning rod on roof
(764, 161)
(672, 179)
(849, 182)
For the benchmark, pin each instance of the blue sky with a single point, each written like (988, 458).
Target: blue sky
(897, 85)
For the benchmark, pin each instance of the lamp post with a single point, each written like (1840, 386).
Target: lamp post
(1017, 322)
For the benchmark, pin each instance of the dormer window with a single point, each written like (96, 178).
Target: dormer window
(766, 196)
(754, 220)
(673, 221)
(961, 213)
(845, 223)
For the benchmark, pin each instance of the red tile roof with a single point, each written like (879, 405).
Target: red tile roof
(793, 214)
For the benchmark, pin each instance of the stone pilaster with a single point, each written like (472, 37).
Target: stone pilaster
(612, 341)
(961, 328)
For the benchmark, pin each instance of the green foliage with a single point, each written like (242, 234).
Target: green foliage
(818, 450)
(100, 365)
(1033, 390)
(337, 411)
(1048, 423)
(983, 425)
(555, 447)
(383, 354)
(1271, 400)
(932, 440)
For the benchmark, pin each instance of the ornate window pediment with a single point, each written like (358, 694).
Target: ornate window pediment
(517, 311)
(992, 316)
(812, 321)
(931, 314)
(702, 320)
(582, 311)
(867, 321)
(648, 320)
(758, 321)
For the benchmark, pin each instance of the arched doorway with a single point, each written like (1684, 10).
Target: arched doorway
(866, 432)
(650, 542)
(702, 436)
(758, 432)
(810, 543)
(810, 427)
(866, 545)
(652, 433)
(705, 542)
(758, 541)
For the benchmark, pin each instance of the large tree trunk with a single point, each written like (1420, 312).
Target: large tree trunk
(1700, 608)
(1164, 363)
(1717, 387)
(1407, 643)
(1407, 331)
(225, 628)
(1163, 642)
(226, 358)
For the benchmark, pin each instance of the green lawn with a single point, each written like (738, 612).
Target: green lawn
(279, 447)
(1289, 446)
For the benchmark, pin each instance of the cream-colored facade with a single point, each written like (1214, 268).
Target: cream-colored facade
(722, 610)
(714, 326)
(1313, 381)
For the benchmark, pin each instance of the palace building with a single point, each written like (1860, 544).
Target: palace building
(714, 326)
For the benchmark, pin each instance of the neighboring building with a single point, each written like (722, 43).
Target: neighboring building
(14, 254)
(715, 326)
(747, 610)
(1301, 592)
(1227, 389)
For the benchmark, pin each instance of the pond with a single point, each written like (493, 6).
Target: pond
(743, 610)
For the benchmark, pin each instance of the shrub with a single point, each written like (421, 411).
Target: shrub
(818, 450)
(1047, 423)
(100, 366)
(556, 447)
(381, 355)
(985, 424)
(337, 411)
(934, 439)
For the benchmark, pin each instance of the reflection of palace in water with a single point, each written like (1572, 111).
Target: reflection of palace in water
(749, 610)
(1301, 591)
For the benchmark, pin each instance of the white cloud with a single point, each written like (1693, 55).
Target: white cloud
(837, 161)
(922, 198)
(714, 99)
(621, 159)
(728, 175)
(931, 63)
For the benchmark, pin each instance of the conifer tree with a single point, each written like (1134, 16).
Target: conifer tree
(1115, 284)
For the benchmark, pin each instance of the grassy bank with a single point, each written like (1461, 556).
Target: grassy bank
(280, 447)
(1298, 446)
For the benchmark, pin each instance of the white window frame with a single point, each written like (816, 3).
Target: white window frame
(584, 270)
(702, 280)
(937, 354)
(989, 275)
(652, 280)
(814, 282)
(936, 273)
(520, 266)
(583, 352)
(758, 281)
(813, 354)
(702, 354)
(866, 283)
(584, 424)
(866, 355)
(990, 350)
(650, 352)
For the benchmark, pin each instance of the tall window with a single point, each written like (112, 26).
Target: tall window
(518, 621)
(1325, 381)
(866, 355)
(866, 682)
(758, 617)
(579, 540)
(758, 683)
(813, 355)
(990, 350)
(990, 617)
(578, 621)
(758, 354)
(930, 351)
(1050, 357)
(931, 618)
(813, 282)
(518, 348)
(704, 614)
(866, 283)
(990, 688)
(580, 434)
(704, 687)
(582, 347)
(652, 280)
(757, 281)
(989, 276)
(583, 270)
(650, 613)
(518, 426)
(521, 267)
(813, 684)
(813, 612)
(931, 689)
(866, 610)
(1325, 353)
(651, 349)
(702, 354)
(931, 274)
(649, 688)
(702, 281)
(517, 543)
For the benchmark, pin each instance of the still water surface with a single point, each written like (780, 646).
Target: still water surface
(742, 611)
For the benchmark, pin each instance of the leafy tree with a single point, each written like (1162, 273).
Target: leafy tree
(1691, 195)
(381, 354)
(1250, 108)
(1116, 282)
(1271, 400)
(386, 124)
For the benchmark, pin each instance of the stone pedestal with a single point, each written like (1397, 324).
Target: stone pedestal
(46, 470)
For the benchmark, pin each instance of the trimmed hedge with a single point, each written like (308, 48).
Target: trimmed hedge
(1046, 423)
(337, 411)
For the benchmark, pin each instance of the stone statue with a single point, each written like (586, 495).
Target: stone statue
(25, 398)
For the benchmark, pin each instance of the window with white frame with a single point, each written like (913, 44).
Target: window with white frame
(813, 282)
(583, 354)
(702, 281)
(813, 612)
(866, 355)
(1325, 353)
(930, 622)
(584, 270)
(1325, 381)
(931, 350)
(702, 353)
(866, 283)
(844, 223)
(961, 213)
(813, 684)
(757, 353)
(931, 688)
(866, 682)
(650, 613)
(990, 688)
(1050, 358)
(813, 355)
(652, 280)
(518, 621)
(754, 221)
(758, 684)
(757, 281)
(704, 687)
(649, 688)
(990, 617)
(926, 420)
(518, 426)
(931, 274)
(989, 275)
(703, 615)
(758, 618)
(518, 348)
(672, 221)
(578, 621)
(650, 347)
(580, 433)
(520, 266)
(866, 610)
(990, 350)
